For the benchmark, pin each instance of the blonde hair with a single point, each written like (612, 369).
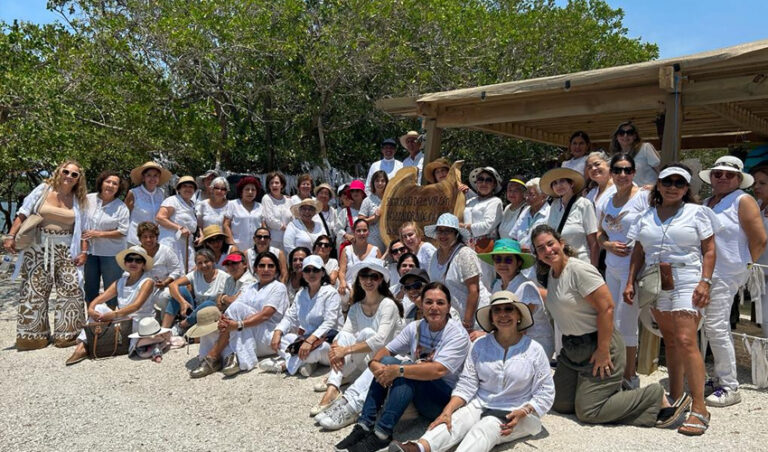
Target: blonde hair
(411, 224)
(79, 190)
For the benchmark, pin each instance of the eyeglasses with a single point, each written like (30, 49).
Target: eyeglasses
(623, 132)
(676, 181)
(262, 237)
(311, 270)
(416, 285)
(498, 259)
(398, 250)
(371, 276)
(323, 245)
(622, 169)
(72, 174)
(134, 260)
(485, 179)
(266, 266)
(498, 309)
(717, 174)
(220, 188)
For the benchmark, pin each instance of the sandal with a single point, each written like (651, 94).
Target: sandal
(673, 414)
(689, 429)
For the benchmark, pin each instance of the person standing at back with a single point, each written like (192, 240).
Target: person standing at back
(412, 143)
(388, 164)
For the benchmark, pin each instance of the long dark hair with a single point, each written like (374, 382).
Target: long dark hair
(358, 293)
(305, 250)
(655, 197)
(541, 267)
(408, 256)
(323, 281)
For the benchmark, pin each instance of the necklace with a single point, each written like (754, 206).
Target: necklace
(433, 337)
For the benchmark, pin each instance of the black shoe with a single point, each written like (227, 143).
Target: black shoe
(372, 443)
(358, 433)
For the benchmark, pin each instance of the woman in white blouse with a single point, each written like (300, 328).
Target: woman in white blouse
(505, 388)
(244, 214)
(262, 242)
(516, 196)
(143, 201)
(304, 188)
(369, 209)
(104, 233)
(372, 321)
(580, 226)
(302, 338)
(412, 236)
(166, 266)
(482, 214)
(178, 221)
(306, 226)
(211, 211)
(245, 328)
(357, 252)
(578, 147)
(627, 139)
(600, 185)
(277, 208)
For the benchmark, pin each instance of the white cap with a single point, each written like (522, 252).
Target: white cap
(312, 261)
(666, 172)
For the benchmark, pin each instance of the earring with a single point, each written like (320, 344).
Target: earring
(518, 322)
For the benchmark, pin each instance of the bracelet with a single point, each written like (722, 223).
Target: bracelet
(240, 325)
(9, 237)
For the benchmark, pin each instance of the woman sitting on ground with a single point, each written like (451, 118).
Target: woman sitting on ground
(166, 266)
(245, 329)
(302, 338)
(239, 279)
(436, 347)
(262, 243)
(322, 247)
(131, 291)
(504, 390)
(295, 262)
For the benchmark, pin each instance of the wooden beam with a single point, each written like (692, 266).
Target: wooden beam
(741, 117)
(434, 137)
(671, 138)
(526, 133)
(561, 105)
(405, 106)
(723, 90)
(667, 78)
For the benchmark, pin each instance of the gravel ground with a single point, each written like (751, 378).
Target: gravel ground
(124, 404)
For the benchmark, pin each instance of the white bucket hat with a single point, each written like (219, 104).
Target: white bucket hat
(447, 220)
(148, 327)
(728, 163)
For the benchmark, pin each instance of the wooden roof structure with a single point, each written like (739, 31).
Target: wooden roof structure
(705, 100)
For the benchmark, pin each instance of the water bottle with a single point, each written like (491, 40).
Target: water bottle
(5, 265)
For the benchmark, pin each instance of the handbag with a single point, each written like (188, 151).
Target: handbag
(27, 233)
(107, 339)
(648, 286)
(294, 347)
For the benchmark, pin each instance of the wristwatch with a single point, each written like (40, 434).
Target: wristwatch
(402, 371)
(707, 280)
(240, 326)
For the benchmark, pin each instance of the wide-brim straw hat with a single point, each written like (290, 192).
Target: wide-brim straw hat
(376, 265)
(429, 171)
(212, 231)
(508, 246)
(545, 184)
(207, 322)
(325, 186)
(148, 327)
(148, 261)
(483, 315)
(186, 180)
(409, 134)
(729, 163)
(138, 172)
(306, 202)
(486, 169)
(447, 220)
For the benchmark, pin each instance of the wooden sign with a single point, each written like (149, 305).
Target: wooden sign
(404, 200)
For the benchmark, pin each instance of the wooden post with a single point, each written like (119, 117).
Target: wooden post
(669, 79)
(648, 352)
(434, 138)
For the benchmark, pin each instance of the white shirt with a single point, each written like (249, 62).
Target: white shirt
(386, 323)
(731, 243)
(243, 222)
(576, 164)
(526, 223)
(616, 222)
(126, 295)
(251, 254)
(315, 315)
(529, 294)
(508, 219)
(448, 346)
(183, 215)
(425, 253)
(507, 379)
(165, 263)
(259, 297)
(145, 207)
(296, 235)
(599, 202)
(109, 217)
(646, 159)
(483, 215)
(208, 215)
(391, 167)
(677, 240)
(464, 264)
(581, 222)
(277, 213)
(417, 162)
(204, 290)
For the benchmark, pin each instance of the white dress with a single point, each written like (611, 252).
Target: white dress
(297, 235)
(145, 207)
(208, 215)
(243, 222)
(277, 214)
(183, 215)
(367, 209)
(484, 216)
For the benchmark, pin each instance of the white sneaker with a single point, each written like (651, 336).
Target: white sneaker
(723, 397)
(272, 365)
(306, 369)
(338, 416)
(341, 400)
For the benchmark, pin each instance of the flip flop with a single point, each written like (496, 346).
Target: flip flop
(698, 429)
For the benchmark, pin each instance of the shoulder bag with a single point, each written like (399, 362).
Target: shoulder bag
(27, 233)
(107, 339)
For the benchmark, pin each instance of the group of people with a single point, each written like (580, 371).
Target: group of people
(461, 319)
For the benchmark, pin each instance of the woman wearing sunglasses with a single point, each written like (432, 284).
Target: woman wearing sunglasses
(323, 247)
(302, 338)
(245, 328)
(54, 257)
(504, 390)
(620, 211)
(483, 212)
(739, 241)
(359, 251)
(395, 250)
(677, 231)
(626, 139)
(306, 226)
(262, 243)
(406, 263)
(508, 261)
(372, 321)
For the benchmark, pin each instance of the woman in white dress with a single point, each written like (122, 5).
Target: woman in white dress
(178, 221)
(627, 139)
(306, 226)
(277, 208)
(369, 209)
(245, 329)
(353, 254)
(143, 201)
(262, 242)
(244, 214)
(578, 148)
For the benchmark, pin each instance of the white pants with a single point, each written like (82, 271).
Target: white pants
(624, 315)
(477, 433)
(293, 362)
(355, 363)
(357, 392)
(717, 327)
(250, 343)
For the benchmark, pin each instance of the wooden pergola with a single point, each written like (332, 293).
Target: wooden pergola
(706, 100)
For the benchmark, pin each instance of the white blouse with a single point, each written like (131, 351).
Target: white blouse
(484, 216)
(204, 290)
(259, 297)
(145, 207)
(297, 234)
(315, 315)
(107, 217)
(126, 295)
(208, 215)
(386, 323)
(244, 222)
(183, 215)
(508, 219)
(277, 213)
(581, 222)
(166, 263)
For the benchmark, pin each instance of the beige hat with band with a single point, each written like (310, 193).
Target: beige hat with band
(207, 322)
(137, 174)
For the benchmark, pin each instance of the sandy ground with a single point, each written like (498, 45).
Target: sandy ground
(124, 404)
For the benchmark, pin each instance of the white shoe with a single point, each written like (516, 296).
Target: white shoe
(272, 365)
(322, 414)
(321, 385)
(338, 416)
(723, 397)
(317, 409)
(306, 369)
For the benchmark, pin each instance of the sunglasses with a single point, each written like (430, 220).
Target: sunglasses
(311, 270)
(323, 245)
(622, 169)
(134, 260)
(413, 286)
(398, 250)
(266, 266)
(677, 182)
(718, 174)
(262, 237)
(503, 259)
(306, 209)
(485, 179)
(498, 309)
(73, 174)
(623, 132)
(371, 276)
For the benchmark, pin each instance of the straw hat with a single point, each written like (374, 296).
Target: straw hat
(729, 163)
(429, 171)
(138, 172)
(148, 327)
(404, 138)
(561, 173)
(186, 180)
(212, 231)
(325, 186)
(508, 246)
(376, 265)
(148, 261)
(306, 202)
(487, 169)
(447, 220)
(483, 315)
(207, 322)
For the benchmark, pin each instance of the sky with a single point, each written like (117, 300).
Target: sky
(679, 27)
